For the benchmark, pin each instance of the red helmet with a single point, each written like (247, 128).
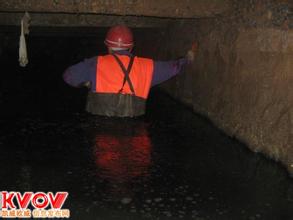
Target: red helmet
(119, 36)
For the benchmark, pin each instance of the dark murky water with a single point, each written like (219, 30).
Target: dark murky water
(171, 164)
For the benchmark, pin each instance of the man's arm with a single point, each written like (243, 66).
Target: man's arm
(81, 74)
(164, 70)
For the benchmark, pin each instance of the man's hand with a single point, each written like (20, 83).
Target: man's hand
(192, 52)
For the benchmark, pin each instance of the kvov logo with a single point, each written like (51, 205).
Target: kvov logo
(33, 205)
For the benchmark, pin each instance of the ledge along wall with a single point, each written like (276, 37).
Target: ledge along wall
(242, 78)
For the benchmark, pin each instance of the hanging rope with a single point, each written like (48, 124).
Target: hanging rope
(23, 59)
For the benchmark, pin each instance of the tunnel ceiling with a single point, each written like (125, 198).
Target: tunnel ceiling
(81, 20)
(108, 12)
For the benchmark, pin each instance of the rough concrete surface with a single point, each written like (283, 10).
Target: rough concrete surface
(242, 78)
(81, 20)
(162, 8)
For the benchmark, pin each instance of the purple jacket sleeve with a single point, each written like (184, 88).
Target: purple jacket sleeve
(164, 70)
(85, 71)
(82, 72)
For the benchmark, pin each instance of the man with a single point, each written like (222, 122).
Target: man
(119, 82)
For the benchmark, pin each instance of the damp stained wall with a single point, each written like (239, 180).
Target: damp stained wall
(242, 79)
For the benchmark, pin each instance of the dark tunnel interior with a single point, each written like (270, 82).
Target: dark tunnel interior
(169, 164)
(53, 50)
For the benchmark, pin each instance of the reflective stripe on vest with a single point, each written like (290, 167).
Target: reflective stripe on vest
(110, 77)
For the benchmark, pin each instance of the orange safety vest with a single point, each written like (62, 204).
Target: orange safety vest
(110, 76)
(121, 93)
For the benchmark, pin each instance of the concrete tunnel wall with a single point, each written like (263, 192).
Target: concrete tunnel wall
(242, 78)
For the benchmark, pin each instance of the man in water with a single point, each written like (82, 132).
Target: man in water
(120, 82)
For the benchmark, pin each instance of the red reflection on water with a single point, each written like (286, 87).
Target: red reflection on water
(123, 157)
